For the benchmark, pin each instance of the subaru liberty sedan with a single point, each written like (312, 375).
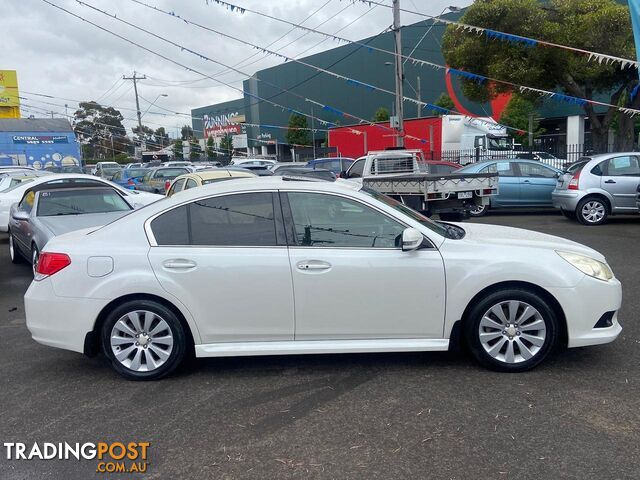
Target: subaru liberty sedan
(169, 280)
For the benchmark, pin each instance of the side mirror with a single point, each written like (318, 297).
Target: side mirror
(343, 174)
(20, 215)
(557, 175)
(411, 239)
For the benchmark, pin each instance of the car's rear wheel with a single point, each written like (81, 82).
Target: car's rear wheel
(14, 254)
(592, 211)
(511, 330)
(35, 257)
(478, 211)
(144, 340)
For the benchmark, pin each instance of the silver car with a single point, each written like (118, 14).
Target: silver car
(602, 185)
(45, 213)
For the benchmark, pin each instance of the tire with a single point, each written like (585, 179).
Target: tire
(35, 256)
(592, 211)
(511, 343)
(165, 340)
(14, 252)
(478, 211)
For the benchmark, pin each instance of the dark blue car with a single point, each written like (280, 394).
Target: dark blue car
(521, 183)
(336, 164)
(129, 177)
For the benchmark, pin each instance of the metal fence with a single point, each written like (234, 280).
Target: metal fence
(559, 157)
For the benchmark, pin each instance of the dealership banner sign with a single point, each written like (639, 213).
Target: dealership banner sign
(221, 125)
(40, 139)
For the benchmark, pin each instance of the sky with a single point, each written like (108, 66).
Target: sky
(58, 55)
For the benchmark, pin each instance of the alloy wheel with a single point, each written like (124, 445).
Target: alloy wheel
(478, 210)
(12, 249)
(141, 341)
(593, 211)
(512, 331)
(35, 256)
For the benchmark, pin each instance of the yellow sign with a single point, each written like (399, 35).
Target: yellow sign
(9, 97)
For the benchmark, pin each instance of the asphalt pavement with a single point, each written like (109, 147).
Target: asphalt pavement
(366, 416)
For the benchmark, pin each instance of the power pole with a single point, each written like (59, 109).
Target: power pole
(531, 132)
(418, 89)
(135, 89)
(399, 74)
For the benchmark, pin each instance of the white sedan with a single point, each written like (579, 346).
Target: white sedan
(329, 267)
(7, 198)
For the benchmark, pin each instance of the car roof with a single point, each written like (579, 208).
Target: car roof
(217, 173)
(64, 186)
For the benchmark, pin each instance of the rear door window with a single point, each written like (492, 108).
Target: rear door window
(625, 166)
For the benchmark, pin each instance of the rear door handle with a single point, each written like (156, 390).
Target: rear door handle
(313, 265)
(179, 264)
(610, 181)
(526, 181)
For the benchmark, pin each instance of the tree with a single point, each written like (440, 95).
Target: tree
(99, 130)
(211, 149)
(146, 136)
(296, 135)
(194, 150)
(517, 113)
(443, 101)
(161, 138)
(226, 144)
(186, 132)
(177, 149)
(602, 25)
(381, 115)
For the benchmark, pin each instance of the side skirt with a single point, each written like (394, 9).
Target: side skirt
(298, 347)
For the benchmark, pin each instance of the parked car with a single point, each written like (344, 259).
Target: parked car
(543, 157)
(158, 180)
(64, 169)
(521, 184)
(277, 166)
(49, 210)
(6, 168)
(12, 178)
(603, 185)
(259, 170)
(246, 162)
(437, 166)
(106, 170)
(135, 165)
(177, 163)
(129, 177)
(200, 178)
(320, 174)
(134, 198)
(171, 280)
(335, 164)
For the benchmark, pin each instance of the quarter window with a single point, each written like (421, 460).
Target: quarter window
(356, 169)
(191, 183)
(231, 220)
(322, 220)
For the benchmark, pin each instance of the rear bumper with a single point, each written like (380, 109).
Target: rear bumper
(60, 322)
(584, 305)
(565, 200)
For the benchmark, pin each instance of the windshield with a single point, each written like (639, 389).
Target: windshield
(546, 156)
(77, 202)
(572, 168)
(20, 184)
(440, 228)
(500, 143)
(136, 172)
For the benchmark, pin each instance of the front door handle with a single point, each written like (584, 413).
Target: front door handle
(179, 264)
(526, 181)
(313, 265)
(610, 181)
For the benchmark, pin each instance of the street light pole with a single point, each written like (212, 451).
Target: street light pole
(399, 74)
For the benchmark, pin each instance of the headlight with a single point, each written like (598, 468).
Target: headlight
(587, 265)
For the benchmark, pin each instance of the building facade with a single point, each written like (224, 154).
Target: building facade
(38, 142)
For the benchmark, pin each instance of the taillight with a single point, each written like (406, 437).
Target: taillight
(50, 263)
(167, 184)
(574, 183)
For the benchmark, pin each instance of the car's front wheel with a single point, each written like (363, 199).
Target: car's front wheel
(592, 211)
(14, 255)
(511, 330)
(144, 340)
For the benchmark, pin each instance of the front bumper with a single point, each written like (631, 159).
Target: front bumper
(584, 305)
(57, 321)
(566, 200)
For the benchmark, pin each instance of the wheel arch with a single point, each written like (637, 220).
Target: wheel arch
(548, 297)
(601, 196)
(92, 340)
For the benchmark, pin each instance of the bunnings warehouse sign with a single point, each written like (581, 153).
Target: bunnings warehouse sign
(40, 139)
(221, 125)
